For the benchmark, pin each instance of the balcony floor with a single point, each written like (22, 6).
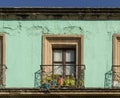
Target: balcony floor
(59, 92)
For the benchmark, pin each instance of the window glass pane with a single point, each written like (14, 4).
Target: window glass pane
(70, 69)
(58, 69)
(70, 55)
(57, 55)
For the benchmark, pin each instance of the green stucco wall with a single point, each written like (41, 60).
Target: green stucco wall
(24, 44)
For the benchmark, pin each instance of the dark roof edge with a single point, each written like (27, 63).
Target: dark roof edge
(30, 9)
(59, 13)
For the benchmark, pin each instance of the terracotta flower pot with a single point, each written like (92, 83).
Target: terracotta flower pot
(60, 81)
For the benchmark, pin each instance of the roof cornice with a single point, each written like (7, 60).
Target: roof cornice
(60, 13)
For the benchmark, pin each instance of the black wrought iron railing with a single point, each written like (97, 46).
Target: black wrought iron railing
(112, 77)
(37, 78)
(108, 79)
(60, 76)
(116, 76)
(2, 75)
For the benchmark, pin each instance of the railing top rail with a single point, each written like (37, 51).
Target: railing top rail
(63, 65)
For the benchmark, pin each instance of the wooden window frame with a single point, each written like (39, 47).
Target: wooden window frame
(64, 50)
(3, 69)
(51, 41)
(64, 62)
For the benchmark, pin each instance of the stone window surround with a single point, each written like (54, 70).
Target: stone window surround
(51, 41)
(3, 83)
(116, 40)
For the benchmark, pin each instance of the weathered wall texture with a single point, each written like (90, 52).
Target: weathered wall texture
(24, 44)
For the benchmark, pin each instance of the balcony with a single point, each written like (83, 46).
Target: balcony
(116, 76)
(3, 68)
(112, 77)
(60, 77)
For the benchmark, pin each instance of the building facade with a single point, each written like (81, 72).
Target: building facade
(59, 52)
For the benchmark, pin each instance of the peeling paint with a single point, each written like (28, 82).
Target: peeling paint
(88, 35)
(24, 48)
(19, 26)
(72, 29)
(109, 35)
(38, 30)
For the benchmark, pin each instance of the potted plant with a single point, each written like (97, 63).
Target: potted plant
(67, 81)
(72, 81)
(60, 81)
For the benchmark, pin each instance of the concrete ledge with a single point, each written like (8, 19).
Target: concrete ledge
(71, 92)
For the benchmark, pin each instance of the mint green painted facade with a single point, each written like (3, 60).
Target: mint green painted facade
(24, 48)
